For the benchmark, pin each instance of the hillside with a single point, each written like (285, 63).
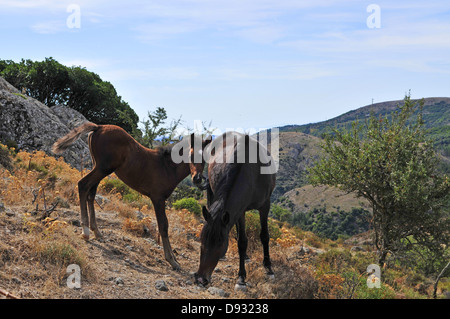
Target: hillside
(298, 151)
(40, 231)
(436, 117)
(325, 210)
(300, 144)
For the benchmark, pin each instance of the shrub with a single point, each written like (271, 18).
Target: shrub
(114, 185)
(129, 195)
(140, 228)
(190, 204)
(253, 229)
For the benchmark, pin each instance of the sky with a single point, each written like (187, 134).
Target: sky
(249, 64)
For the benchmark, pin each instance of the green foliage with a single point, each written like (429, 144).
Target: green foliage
(185, 190)
(390, 162)
(53, 83)
(115, 185)
(191, 204)
(333, 225)
(280, 213)
(60, 253)
(436, 117)
(155, 127)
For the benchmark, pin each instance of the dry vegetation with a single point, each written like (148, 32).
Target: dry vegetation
(40, 236)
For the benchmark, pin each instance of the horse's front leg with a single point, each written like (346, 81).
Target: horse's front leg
(263, 215)
(163, 227)
(242, 247)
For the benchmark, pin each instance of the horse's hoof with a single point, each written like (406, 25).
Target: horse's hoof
(271, 277)
(240, 287)
(85, 237)
(98, 236)
(176, 266)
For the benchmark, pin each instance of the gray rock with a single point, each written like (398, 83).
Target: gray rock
(119, 281)
(139, 215)
(239, 287)
(34, 126)
(218, 292)
(10, 213)
(161, 285)
(102, 200)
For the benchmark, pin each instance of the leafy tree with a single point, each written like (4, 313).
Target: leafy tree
(155, 128)
(389, 161)
(98, 100)
(280, 213)
(53, 83)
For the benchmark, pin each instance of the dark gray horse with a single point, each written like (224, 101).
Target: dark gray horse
(236, 185)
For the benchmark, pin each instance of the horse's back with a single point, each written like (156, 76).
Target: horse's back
(111, 147)
(250, 186)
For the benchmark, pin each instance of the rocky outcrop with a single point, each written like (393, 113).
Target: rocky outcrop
(32, 125)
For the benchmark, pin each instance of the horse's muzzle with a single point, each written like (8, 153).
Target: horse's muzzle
(200, 181)
(201, 281)
(197, 179)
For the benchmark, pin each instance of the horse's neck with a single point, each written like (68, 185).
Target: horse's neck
(181, 171)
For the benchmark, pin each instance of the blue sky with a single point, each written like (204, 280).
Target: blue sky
(242, 64)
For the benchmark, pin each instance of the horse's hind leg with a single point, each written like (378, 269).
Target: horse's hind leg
(92, 220)
(264, 236)
(84, 188)
(242, 247)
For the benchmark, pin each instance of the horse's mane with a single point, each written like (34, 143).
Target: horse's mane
(165, 150)
(226, 182)
(164, 153)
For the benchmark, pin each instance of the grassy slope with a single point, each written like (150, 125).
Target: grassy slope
(126, 263)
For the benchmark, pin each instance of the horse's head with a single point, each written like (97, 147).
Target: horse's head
(197, 161)
(214, 243)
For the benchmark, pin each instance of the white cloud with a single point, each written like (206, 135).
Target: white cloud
(49, 27)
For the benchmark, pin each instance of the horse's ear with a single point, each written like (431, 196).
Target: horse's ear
(206, 214)
(226, 218)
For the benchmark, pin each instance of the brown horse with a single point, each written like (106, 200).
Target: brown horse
(152, 172)
(235, 186)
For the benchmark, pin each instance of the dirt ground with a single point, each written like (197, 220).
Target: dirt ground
(119, 265)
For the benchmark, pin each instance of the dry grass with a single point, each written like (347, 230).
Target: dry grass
(35, 251)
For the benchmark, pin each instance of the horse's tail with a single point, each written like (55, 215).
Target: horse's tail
(64, 142)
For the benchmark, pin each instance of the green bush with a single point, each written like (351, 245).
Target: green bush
(253, 229)
(129, 195)
(190, 204)
(113, 185)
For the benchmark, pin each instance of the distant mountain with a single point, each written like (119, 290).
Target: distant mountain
(436, 116)
(298, 151)
(300, 144)
(314, 208)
